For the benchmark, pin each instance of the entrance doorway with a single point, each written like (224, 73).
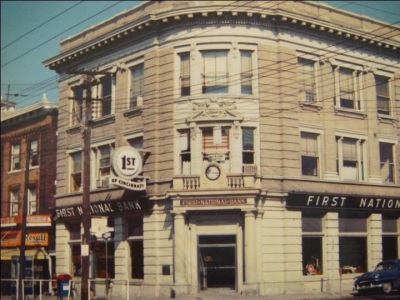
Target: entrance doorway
(217, 261)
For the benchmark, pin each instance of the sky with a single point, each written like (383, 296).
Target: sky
(31, 32)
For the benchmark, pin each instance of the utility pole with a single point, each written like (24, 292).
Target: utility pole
(86, 219)
(88, 82)
(23, 224)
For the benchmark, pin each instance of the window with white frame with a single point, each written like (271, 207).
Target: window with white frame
(382, 94)
(215, 71)
(248, 150)
(76, 171)
(103, 92)
(136, 89)
(103, 154)
(312, 243)
(309, 154)
(348, 92)
(387, 162)
(14, 202)
(15, 157)
(246, 72)
(184, 148)
(307, 80)
(350, 159)
(353, 243)
(34, 153)
(77, 106)
(184, 77)
(32, 201)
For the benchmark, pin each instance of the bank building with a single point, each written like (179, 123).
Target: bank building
(245, 146)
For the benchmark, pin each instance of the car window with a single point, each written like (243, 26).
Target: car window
(385, 266)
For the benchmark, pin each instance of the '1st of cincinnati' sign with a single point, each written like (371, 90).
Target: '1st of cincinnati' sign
(341, 202)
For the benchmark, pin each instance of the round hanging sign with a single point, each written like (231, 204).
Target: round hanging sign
(127, 162)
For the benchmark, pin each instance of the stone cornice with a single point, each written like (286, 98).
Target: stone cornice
(167, 20)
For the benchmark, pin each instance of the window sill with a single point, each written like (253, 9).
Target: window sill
(132, 112)
(310, 106)
(74, 129)
(386, 119)
(350, 113)
(14, 171)
(109, 119)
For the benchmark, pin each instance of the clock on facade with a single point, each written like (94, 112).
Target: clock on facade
(213, 172)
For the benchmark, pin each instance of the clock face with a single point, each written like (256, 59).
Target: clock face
(213, 172)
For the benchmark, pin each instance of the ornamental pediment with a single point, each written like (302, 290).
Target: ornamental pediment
(214, 109)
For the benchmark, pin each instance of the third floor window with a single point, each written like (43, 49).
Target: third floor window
(136, 89)
(16, 157)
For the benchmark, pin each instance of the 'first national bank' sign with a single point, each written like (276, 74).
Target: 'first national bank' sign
(342, 202)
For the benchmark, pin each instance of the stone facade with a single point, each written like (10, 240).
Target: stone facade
(235, 110)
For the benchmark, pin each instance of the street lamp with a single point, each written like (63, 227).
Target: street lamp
(106, 236)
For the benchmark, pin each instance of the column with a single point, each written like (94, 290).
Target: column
(180, 249)
(250, 262)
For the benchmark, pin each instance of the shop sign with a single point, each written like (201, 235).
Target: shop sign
(101, 208)
(213, 202)
(138, 185)
(127, 162)
(342, 202)
(31, 220)
(12, 238)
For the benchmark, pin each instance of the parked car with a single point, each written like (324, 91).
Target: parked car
(385, 277)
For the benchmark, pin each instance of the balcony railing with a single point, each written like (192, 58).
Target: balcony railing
(233, 181)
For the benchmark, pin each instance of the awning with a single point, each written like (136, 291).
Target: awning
(38, 253)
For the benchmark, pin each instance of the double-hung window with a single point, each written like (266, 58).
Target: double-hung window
(14, 202)
(34, 153)
(382, 95)
(246, 72)
(348, 91)
(32, 201)
(77, 108)
(102, 103)
(387, 162)
(215, 72)
(16, 157)
(184, 77)
(350, 159)
(307, 80)
(104, 164)
(248, 158)
(309, 154)
(76, 171)
(136, 89)
(184, 147)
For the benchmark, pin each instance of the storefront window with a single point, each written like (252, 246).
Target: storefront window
(103, 257)
(389, 238)
(352, 243)
(135, 233)
(312, 227)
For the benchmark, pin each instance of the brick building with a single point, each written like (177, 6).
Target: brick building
(31, 129)
(252, 147)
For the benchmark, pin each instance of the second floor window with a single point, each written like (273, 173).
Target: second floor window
(104, 164)
(350, 161)
(215, 72)
(306, 77)
(16, 157)
(32, 201)
(309, 154)
(248, 146)
(14, 202)
(136, 90)
(387, 162)
(185, 157)
(382, 95)
(34, 153)
(76, 171)
(215, 140)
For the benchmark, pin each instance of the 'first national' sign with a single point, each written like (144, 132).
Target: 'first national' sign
(342, 202)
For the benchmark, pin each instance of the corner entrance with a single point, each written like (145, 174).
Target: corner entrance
(217, 261)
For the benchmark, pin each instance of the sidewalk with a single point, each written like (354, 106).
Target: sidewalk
(214, 296)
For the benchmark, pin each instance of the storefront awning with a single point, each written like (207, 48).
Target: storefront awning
(38, 253)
